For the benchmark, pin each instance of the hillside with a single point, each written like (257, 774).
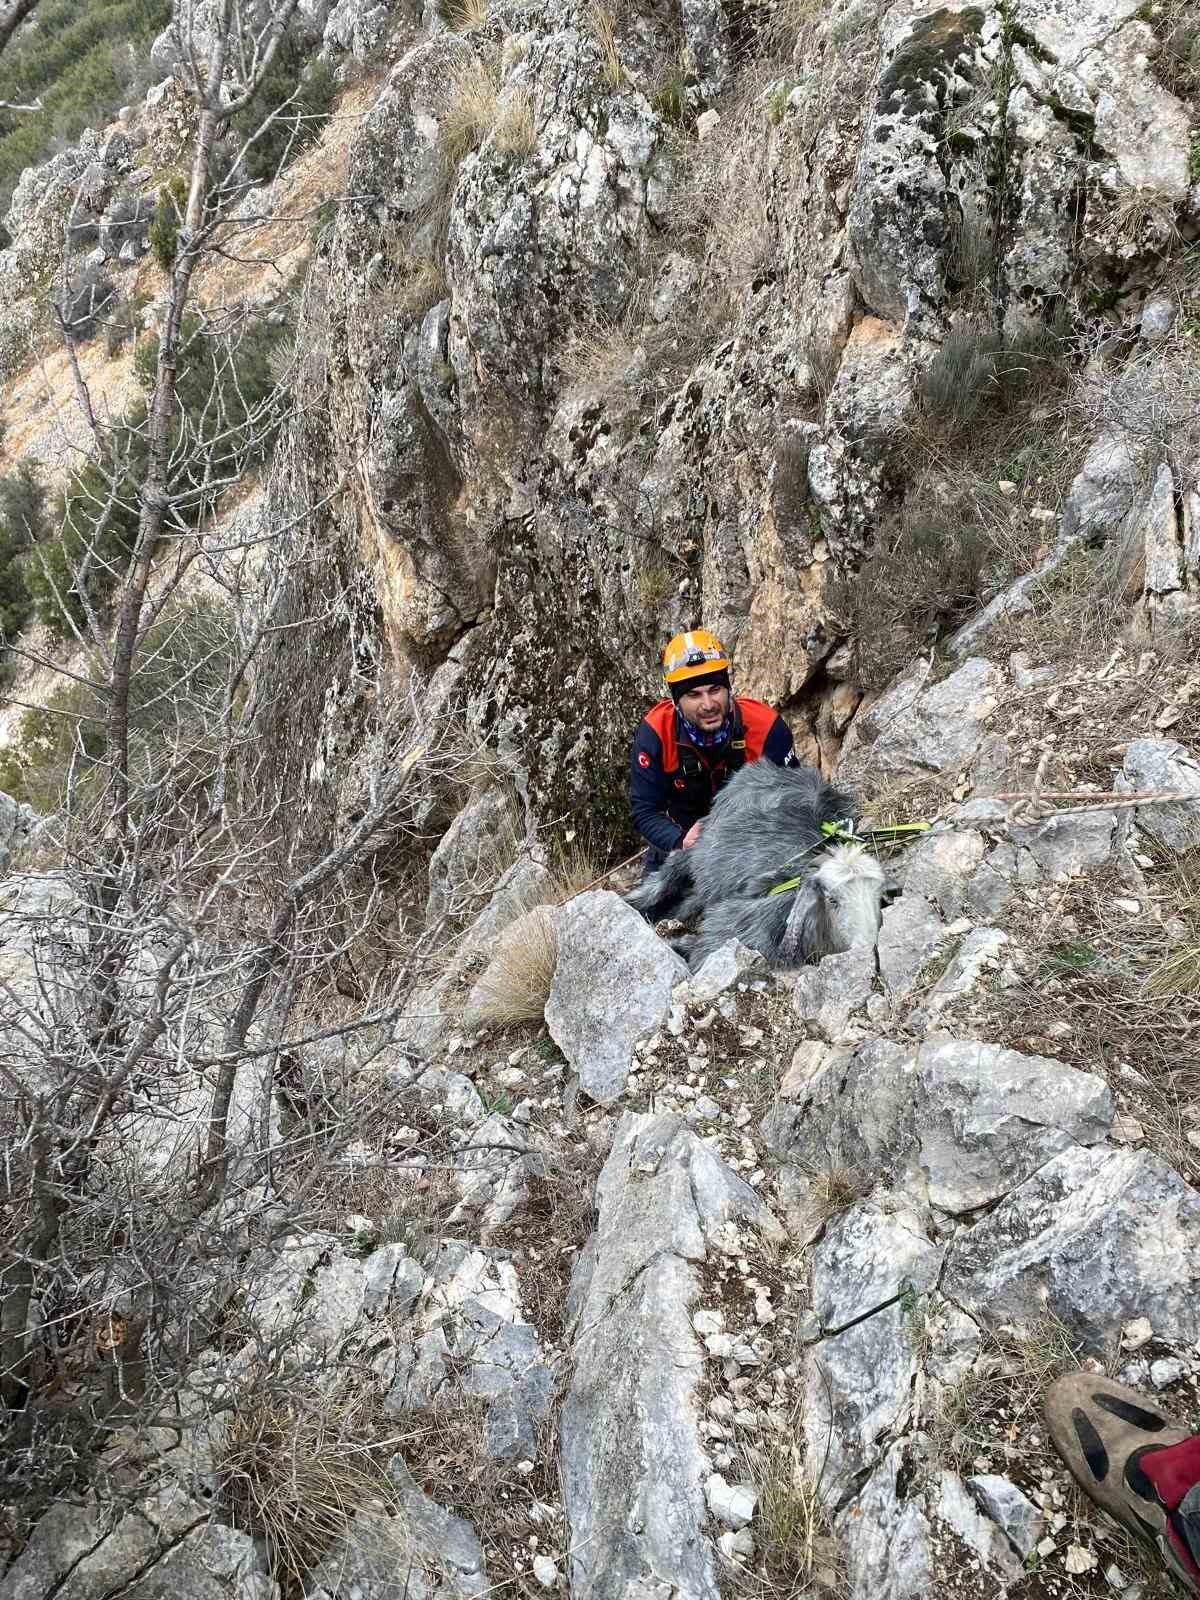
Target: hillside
(395, 1213)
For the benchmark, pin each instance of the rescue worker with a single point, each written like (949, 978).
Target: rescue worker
(686, 747)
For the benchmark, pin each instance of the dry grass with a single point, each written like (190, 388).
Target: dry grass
(471, 110)
(515, 985)
(1000, 1398)
(516, 129)
(655, 584)
(599, 357)
(419, 285)
(297, 1477)
(446, 1451)
(1178, 971)
(1086, 998)
(603, 27)
(798, 1554)
(464, 16)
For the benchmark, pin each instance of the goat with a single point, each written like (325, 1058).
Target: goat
(764, 828)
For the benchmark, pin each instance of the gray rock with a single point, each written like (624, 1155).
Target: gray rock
(870, 1275)
(633, 1467)
(723, 969)
(167, 1545)
(980, 950)
(886, 1534)
(961, 1122)
(612, 984)
(940, 866)
(829, 994)
(468, 859)
(909, 935)
(17, 823)
(1162, 764)
(1096, 1237)
(918, 726)
(392, 1281)
(444, 1545)
(954, 1506)
(1020, 1520)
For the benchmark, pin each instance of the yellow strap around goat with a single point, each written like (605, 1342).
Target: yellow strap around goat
(839, 833)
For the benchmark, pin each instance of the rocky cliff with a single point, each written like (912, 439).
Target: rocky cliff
(865, 336)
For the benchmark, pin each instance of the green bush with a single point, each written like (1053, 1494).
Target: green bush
(65, 58)
(163, 233)
(22, 524)
(224, 422)
(302, 99)
(175, 695)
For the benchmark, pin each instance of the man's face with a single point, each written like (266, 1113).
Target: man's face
(706, 707)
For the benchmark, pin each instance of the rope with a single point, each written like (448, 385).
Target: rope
(1039, 804)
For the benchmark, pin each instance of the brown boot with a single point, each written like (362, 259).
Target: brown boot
(1113, 1439)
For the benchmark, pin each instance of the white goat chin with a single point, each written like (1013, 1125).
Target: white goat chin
(852, 885)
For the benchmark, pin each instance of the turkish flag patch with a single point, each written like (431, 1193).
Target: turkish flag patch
(643, 759)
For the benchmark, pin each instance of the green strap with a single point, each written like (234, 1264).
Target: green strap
(838, 831)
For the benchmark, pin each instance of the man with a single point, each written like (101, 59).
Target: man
(686, 747)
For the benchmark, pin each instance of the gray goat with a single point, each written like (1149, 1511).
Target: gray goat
(765, 828)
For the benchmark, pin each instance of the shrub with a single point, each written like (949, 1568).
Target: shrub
(225, 421)
(978, 374)
(516, 131)
(168, 218)
(296, 101)
(22, 523)
(917, 585)
(65, 59)
(176, 688)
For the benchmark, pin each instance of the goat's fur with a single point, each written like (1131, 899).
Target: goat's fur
(764, 827)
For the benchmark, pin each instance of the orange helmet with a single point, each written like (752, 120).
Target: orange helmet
(693, 655)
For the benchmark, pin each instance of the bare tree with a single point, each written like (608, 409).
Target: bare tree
(171, 980)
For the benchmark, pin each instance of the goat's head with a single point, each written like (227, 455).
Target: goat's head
(838, 907)
(851, 884)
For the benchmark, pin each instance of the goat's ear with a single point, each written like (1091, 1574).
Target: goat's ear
(805, 936)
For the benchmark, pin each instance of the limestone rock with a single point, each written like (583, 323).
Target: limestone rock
(870, 1274)
(612, 984)
(829, 994)
(1162, 764)
(632, 1463)
(1096, 1236)
(961, 1122)
(724, 968)
(1018, 1518)
(918, 726)
(467, 856)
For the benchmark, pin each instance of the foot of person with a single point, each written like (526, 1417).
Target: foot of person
(1135, 1461)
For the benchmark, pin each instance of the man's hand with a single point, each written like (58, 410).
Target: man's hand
(691, 836)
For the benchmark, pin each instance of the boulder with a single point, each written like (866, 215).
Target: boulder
(920, 726)
(957, 1122)
(633, 1466)
(1162, 764)
(612, 985)
(1096, 1237)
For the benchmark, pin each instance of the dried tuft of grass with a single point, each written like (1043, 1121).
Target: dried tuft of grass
(603, 27)
(471, 110)
(298, 1479)
(516, 129)
(464, 16)
(800, 1554)
(515, 985)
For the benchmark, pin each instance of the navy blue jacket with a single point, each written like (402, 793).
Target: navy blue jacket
(672, 782)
